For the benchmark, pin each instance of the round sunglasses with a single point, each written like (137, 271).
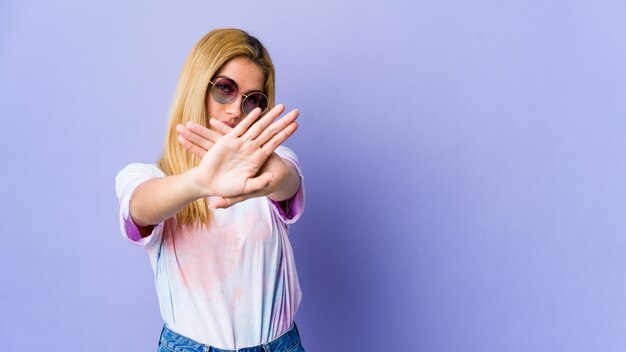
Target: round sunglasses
(225, 91)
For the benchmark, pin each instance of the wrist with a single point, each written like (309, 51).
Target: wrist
(193, 181)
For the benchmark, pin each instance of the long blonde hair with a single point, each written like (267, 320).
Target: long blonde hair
(207, 57)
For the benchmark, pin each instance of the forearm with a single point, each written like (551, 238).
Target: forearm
(160, 198)
(287, 180)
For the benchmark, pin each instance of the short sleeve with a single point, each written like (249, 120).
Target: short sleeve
(126, 182)
(290, 210)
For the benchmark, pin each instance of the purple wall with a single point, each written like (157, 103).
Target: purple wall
(464, 164)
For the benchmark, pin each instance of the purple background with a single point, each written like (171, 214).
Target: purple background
(464, 164)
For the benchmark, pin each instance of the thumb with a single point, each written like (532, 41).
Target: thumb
(221, 202)
(258, 183)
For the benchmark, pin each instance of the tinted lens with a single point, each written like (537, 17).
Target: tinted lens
(224, 91)
(253, 101)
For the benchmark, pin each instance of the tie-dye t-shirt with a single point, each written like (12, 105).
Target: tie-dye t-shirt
(231, 285)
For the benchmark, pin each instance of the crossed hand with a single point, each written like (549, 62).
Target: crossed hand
(233, 160)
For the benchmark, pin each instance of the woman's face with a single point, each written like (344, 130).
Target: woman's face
(249, 78)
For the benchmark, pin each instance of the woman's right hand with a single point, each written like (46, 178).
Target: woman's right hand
(235, 156)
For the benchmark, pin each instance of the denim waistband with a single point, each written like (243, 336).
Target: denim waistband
(179, 343)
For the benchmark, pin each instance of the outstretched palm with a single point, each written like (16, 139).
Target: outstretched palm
(234, 156)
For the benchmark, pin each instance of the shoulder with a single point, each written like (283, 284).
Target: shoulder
(133, 174)
(140, 168)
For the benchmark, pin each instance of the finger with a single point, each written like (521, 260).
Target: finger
(217, 202)
(203, 131)
(260, 126)
(279, 138)
(194, 138)
(220, 126)
(192, 148)
(243, 126)
(258, 183)
(221, 203)
(277, 126)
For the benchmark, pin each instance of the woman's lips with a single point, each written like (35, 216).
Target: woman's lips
(228, 123)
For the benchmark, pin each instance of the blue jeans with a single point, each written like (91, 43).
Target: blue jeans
(174, 342)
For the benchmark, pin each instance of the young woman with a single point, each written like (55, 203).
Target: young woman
(214, 212)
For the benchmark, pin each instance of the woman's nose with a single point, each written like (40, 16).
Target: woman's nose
(233, 109)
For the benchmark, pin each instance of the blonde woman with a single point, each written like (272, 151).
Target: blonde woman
(214, 212)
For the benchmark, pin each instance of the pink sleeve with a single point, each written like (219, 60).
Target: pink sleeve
(132, 231)
(126, 181)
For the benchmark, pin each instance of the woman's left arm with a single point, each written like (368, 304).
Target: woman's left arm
(286, 181)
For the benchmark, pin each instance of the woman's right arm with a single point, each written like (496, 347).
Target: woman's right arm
(160, 198)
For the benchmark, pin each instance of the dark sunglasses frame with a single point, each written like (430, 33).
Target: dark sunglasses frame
(223, 99)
